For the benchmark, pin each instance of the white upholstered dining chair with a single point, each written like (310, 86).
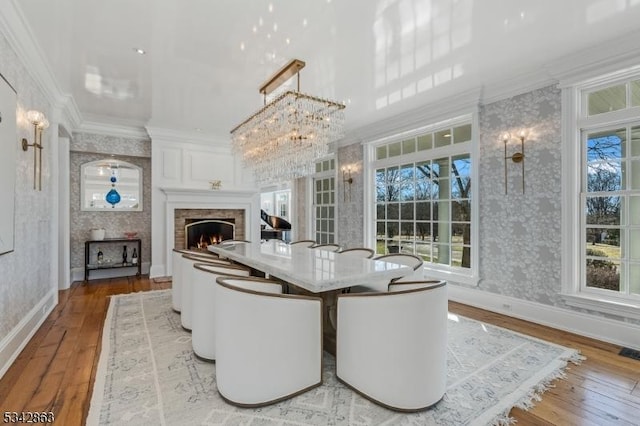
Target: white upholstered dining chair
(176, 274)
(403, 259)
(362, 252)
(392, 347)
(327, 247)
(303, 243)
(203, 296)
(268, 344)
(186, 273)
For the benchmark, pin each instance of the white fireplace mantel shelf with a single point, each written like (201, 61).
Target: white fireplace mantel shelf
(198, 192)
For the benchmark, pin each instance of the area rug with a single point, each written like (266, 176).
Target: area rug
(148, 374)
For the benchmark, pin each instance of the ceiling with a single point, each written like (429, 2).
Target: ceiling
(206, 59)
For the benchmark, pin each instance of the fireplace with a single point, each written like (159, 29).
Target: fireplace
(201, 233)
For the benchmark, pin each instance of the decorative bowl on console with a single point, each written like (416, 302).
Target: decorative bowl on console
(130, 235)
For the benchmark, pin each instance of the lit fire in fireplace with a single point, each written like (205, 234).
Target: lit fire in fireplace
(205, 240)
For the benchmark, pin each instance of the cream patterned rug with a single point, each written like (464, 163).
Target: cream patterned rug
(147, 374)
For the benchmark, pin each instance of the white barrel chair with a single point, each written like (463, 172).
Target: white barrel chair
(268, 344)
(203, 295)
(362, 252)
(176, 275)
(303, 243)
(392, 347)
(327, 247)
(186, 273)
(410, 260)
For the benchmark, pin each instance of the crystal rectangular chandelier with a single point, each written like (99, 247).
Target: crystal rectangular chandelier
(285, 138)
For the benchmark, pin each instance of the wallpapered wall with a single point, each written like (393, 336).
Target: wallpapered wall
(350, 222)
(25, 274)
(87, 147)
(520, 234)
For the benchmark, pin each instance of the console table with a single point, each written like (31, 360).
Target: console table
(93, 266)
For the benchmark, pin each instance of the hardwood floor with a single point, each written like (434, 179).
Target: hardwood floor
(56, 370)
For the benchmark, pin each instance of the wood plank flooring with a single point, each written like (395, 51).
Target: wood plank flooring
(56, 370)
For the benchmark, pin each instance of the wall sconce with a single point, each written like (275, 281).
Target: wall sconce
(40, 123)
(347, 179)
(517, 157)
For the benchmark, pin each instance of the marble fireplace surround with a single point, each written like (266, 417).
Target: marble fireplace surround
(210, 203)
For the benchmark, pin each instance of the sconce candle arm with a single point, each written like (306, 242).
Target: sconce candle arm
(40, 123)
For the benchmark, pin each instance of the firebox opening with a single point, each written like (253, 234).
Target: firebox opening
(201, 233)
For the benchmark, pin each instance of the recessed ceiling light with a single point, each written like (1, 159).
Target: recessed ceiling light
(270, 7)
(241, 46)
(287, 40)
(304, 22)
(139, 51)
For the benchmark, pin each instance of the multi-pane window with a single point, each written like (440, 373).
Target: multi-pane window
(423, 206)
(324, 201)
(611, 206)
(610, 191)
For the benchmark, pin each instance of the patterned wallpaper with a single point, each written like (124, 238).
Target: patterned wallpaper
(26, 274)
(350, 219)
(89, 142)
(115, 223)
(520, 243)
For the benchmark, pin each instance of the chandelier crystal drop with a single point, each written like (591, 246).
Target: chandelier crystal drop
(284, 139)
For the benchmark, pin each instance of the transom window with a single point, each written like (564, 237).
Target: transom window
(423, 197)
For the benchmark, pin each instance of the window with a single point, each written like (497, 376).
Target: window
(423, 200)
(324, 203)
(608, 201)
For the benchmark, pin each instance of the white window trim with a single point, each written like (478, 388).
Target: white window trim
(453, 274)
(573, 123)
(311, 217)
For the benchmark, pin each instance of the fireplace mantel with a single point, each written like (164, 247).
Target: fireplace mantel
(195, 198)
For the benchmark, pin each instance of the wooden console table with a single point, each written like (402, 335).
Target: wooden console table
(93, 266)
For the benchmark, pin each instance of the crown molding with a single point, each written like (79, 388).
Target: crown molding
(524, 82)
(433, 112)
(605, 58)
(16, 29)
(100, 128)
(161, 134)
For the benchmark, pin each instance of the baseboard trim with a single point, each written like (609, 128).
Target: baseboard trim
(600, 328)
(17, 339)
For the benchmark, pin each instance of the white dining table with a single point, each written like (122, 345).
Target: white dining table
(314, 270)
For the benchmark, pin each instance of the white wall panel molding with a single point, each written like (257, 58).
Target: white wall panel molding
(608, 330)
(13, 343)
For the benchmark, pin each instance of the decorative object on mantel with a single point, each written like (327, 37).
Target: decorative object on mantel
(215, 184)
(113, 197)
(40, 123)
(517, 157)
(130, 234)
(283, 140)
